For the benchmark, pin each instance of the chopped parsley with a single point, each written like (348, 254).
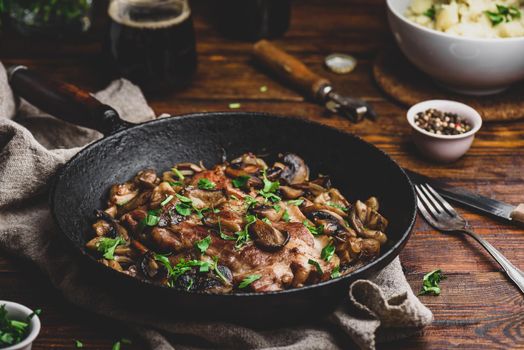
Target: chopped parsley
(277, 207)
(336, 272)
(243, 236)
(240, 181)
(338, 206)
(222, 234)
(315, 230)
(175, 183)
(107, 246)
(317, 265)
(13, 331)
(203, 244)
(248, 280)
(250, 201)
(431, 12)
(266, 220)
(78, 344)
(206, 184)
(183, 266)
(118, 344)
(328, 251)
(285, 216)
(503, 14)
(152, 218)
(296, 202)
(270, 187)
(167, 200)
(430, 283)
(183, 209)
(178, 173)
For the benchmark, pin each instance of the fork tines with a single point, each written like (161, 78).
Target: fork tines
(430, 200)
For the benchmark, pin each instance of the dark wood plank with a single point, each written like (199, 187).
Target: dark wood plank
(478, 309)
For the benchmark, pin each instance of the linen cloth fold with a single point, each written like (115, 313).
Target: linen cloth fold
(34, 145)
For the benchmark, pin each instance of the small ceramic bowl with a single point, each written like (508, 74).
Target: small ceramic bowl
(444, 148)
(20, 312)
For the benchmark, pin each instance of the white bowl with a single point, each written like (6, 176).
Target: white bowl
(466, 65)
(20, 312)
(444, 148)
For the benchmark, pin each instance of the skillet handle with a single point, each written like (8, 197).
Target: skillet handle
(65, 101)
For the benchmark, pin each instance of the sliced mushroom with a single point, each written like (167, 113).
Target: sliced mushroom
(332, 222)
(120, 194)
(372, 202)
(266, 237)
(147, 178)
(249, 163)
(148, 266)
(102, 227)
(290, 192)
(209, 282)
(268, 211)
(296, 170)
(310, 187)
(160, 193)
(189, 168)
(357, 212)
(322, 180)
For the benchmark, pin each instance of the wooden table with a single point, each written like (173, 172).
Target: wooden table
(478, 307)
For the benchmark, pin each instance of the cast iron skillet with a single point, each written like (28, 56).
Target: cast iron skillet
(357, 168)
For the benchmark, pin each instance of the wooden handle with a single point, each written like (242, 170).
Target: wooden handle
(518, 213)
(64, 101)
(289, 68)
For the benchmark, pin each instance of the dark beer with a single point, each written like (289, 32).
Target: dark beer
(254, 19)
(152, 43)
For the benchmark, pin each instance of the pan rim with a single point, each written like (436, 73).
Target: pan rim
(363, 271)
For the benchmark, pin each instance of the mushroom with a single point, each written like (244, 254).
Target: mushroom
(268, 211)
(115, 229)
(160, 193)
(266, 237)
(120, 194)
(210, 282)
(147, 179)
(296, 170)
(290, 192)
(358, 218)
(334, 200)
(331, 222)
(249, 163)
(147, 265)
(188, 169)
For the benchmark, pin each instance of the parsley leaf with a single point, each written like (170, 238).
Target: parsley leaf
(296, 202)
(79, 344)
(243, 236)
(203, 244)
(430, 282)
(285, 216)
(183, 209)
(277, 207)
(327, 252)
(503, 14)
(270, 187)
(206, 184)
(315, 230)
(250, 201)
(222, 234)
(240, 181)
(107, 246)
(317, 265)
(431, 12)
(152, 218)
(336, 272)
(338, 206)
(248, 280)
(13, 331)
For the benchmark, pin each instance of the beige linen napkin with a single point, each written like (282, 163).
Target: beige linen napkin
(34, 145)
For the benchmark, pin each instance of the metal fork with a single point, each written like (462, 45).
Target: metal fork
(441, 215)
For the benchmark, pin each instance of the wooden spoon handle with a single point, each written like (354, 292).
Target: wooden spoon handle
(289, 68)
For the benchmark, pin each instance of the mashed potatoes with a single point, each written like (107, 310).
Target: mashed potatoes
(471, 18)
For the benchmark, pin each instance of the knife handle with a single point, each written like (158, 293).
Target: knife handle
(518, 213)
(290, 69)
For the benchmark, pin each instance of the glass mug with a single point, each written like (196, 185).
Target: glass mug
(152, 43)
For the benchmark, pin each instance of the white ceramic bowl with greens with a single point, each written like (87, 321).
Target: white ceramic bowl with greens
(473, 66)
(19, 312)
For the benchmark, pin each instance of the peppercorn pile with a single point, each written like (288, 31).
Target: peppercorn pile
(441, 123)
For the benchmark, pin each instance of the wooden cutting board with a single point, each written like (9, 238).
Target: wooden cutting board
(407, 85)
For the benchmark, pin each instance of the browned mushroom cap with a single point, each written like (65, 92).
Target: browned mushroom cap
(370, 217)
(249, 163)
(357, 219)
(331, 222)
(120, 194)
(296, 170)
(372, 202)
(147, 179)
(267, 237)
(229, 220)
(147, 265)
(188, 169)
